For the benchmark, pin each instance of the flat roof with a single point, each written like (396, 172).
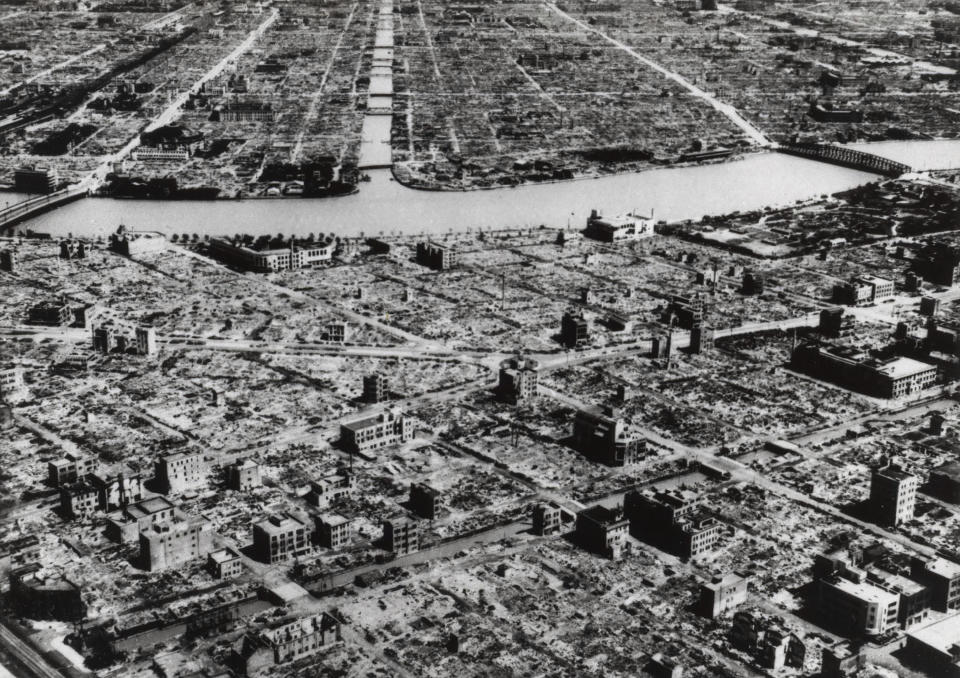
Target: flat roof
(223, 555)
(865, 591)
(333, 519)
(941, 634)
(904, 367)
(944, 568)
(951, 469)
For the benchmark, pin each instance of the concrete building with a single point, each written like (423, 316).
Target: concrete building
(701, 338)
(174, 542)
(78, 499)
(271, 260)
(370, 433)
(674, 521)
(287, 640)
(893, 494)
(44, 598)
(137, 243)
(936, 647)
(69, 469)
(942, 579)
(401, 535)
(224, 564)
(722, 594)
(547, 519)
(929, 306)
(857, 607)
(243, 475)
(278, 538)
(19, 552)
(425, 501)
(11, 382)
(177, 472)
(685, 312)
(375, 388)
(333, 530)
(842, 660)
(602, 436)
(939, 263)
(9, 260)
(831, 321)
(519, 380)
(436, 256)
(619, 228)
(914, 603)
(945, 481)
(35, 180)
(863, 290)
(857, 371)
(330, 489)
(603, 531)
(125, 525)
(336, 333)
(574, 330)
(53, 313)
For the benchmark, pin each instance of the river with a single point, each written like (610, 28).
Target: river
(383, 205)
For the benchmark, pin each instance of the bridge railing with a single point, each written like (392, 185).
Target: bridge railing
(22, 210)
(848, 157)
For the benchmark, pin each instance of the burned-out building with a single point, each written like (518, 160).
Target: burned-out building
(674, 521)
(287, 640)
(601, 435)
(603, 531)
(519, 380)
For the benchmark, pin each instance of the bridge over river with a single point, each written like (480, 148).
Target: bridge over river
(847, 157)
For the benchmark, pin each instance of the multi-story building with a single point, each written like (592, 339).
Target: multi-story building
(287, 640)
(336, 332)
(939, 263)
(893, 494)
(857, 607)
(942, 579)
(722, 594)
(224, 564)
(863, 290)
(151, 154)
(37, 597)
(375, 388)
(243, 475)
(271, 260)
(603, 531)
(935, 648)
(11, 382)
(9, 260)
(914, 602)
(173, 542)
(602, 436)
(278, 538)
(436, 256)
(857, 371)
(330, 489)
(35, 180)
(381, 430)
(618, 228)
(78, 499)
(945, 480)
(685, 312)
(333, 530)
(519, 380)
(245, 111)
(180, 471)
(116, 490)
(137, 243)
(69, 469)
(401, 535)
(547, 519)
(674, 521)
(125, 525)
(425, 501)
(574, 330)
(19, 552)
(51, 313)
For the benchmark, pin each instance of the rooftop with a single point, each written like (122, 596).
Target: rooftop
(941, 635)
(904, 367)
(867, 592)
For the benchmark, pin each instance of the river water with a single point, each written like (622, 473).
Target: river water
(384, 206)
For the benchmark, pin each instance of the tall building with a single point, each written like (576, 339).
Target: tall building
(547, 519)
(35, 180)
(401, 535)
(574, 330)
(374, 388)
(370, 433)
(674, 521)
(278, 538)
(942, 579)
(333, 530)
(243, 475)
(180, 471)
(519, 380)
(602, 436)
(330, 489)
(425, 501)
(436, 256)
(173, 542)
(146, 340)
(722, 594)
(603, 531)
(858, 371)
(69, 469)
(893, 494)
(287, 640)
(9, 260)
(857, 607)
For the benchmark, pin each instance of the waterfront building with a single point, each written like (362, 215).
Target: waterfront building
(619, 228)
(436, 256)
(271, 260)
